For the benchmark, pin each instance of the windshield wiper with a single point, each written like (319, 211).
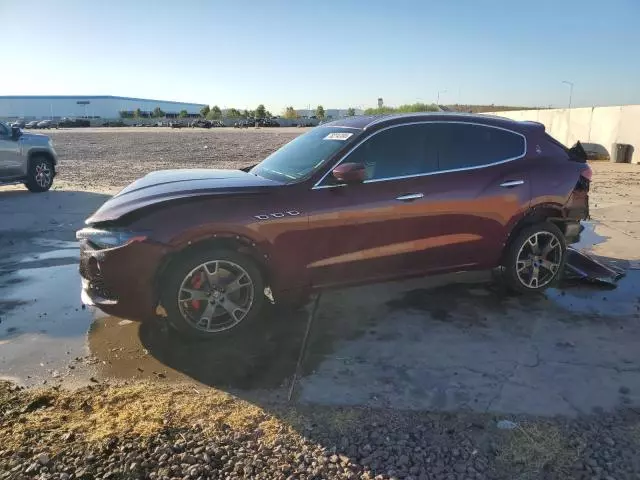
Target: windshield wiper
(281, 173)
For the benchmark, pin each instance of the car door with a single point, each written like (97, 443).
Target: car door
(480, 190)
(10, 165)
(382, 228)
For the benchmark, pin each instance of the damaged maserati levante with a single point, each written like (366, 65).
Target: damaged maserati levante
(359, 200)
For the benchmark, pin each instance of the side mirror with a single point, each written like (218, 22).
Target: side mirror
(350, 173)
(16, 133)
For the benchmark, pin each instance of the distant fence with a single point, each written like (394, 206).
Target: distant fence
(601, 125)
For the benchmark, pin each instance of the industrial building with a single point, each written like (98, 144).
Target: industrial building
(35, 107)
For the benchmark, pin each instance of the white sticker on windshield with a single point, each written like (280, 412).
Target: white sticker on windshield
(338, 136)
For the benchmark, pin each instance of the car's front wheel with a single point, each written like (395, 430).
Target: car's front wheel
(535, 259)
(208, 294)
(40, 175)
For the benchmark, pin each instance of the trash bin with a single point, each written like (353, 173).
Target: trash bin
(621, 153)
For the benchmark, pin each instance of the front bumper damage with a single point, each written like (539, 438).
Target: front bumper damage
(121, 281)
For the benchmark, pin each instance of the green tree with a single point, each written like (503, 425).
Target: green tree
(290, 113)
(204, 111)
(183, 114)
(215, 113)
(320, 112)
(233, 113)
(351, 112)
(158, 113)
(268, 114)
(414, 107)
(261, 112)
(137, 113)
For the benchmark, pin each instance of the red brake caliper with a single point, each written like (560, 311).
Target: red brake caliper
(196, 283)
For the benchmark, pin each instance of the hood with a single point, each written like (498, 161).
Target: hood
(33, 138)
(167, 185)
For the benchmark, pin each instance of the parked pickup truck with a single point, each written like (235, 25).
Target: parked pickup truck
(27, 158)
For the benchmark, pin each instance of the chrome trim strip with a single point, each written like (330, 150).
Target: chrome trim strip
(410, 196)
(513, 183)
(317, 185)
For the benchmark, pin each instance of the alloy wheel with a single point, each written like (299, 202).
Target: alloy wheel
(539, 259)
(43, 175)
(216, 296)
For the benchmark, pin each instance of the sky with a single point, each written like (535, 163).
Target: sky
(335, 53)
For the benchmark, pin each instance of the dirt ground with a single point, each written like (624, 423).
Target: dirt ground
(441, 344)
(105, 160)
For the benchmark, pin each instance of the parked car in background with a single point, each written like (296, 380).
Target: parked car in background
(113, 123)
(176, 124)
(26, 158)
(46, 124)
(359, 200)
(74, 123)
(595, 151)
(201, 123)
(32, 124)
(19, 124)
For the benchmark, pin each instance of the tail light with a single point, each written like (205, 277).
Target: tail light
(585, 178)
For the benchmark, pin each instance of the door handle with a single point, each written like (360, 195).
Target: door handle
(410, 197)
(512, 183)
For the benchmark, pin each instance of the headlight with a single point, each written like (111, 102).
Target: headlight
(108, 238)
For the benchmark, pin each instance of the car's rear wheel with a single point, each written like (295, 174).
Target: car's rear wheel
(209, 294)
(535, 259)
(40, 175)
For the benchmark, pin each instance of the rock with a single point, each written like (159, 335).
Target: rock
(32, 468)
(506, 425)
(43, 459)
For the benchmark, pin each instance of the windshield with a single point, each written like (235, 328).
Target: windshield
(304, 155)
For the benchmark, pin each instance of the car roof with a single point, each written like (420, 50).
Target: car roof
(366, 122)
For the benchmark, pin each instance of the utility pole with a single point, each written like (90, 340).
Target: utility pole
(569, 110)
(438, 100)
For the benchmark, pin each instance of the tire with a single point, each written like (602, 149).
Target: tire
(521, 259)
(188, 315)
(40, 175)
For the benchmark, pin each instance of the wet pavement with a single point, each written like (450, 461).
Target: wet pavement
(454, 342)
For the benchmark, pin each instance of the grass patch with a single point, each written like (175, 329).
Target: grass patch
(532, 448)
(142, 410)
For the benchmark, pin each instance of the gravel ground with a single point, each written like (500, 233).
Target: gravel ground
(167, 432)
(106, 160)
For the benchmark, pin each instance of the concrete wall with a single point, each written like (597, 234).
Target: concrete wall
(602, 125)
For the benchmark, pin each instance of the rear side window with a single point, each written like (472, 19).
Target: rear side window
(399, 151)
(4, 131)
(466, 145)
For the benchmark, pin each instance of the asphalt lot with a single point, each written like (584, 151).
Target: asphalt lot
(444, 343)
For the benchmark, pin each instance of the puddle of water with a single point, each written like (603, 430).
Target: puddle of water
(588, 237)
(43, 327)
(594, 300)
(262, 359)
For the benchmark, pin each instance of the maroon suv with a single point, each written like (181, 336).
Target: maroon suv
(358, 200)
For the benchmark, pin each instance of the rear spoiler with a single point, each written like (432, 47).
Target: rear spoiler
(577, 153)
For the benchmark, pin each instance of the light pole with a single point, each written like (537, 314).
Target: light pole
(570, 91)
(569, 110)
(439, 92)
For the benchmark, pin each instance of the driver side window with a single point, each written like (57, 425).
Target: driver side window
(4, 130)
(400, 151)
